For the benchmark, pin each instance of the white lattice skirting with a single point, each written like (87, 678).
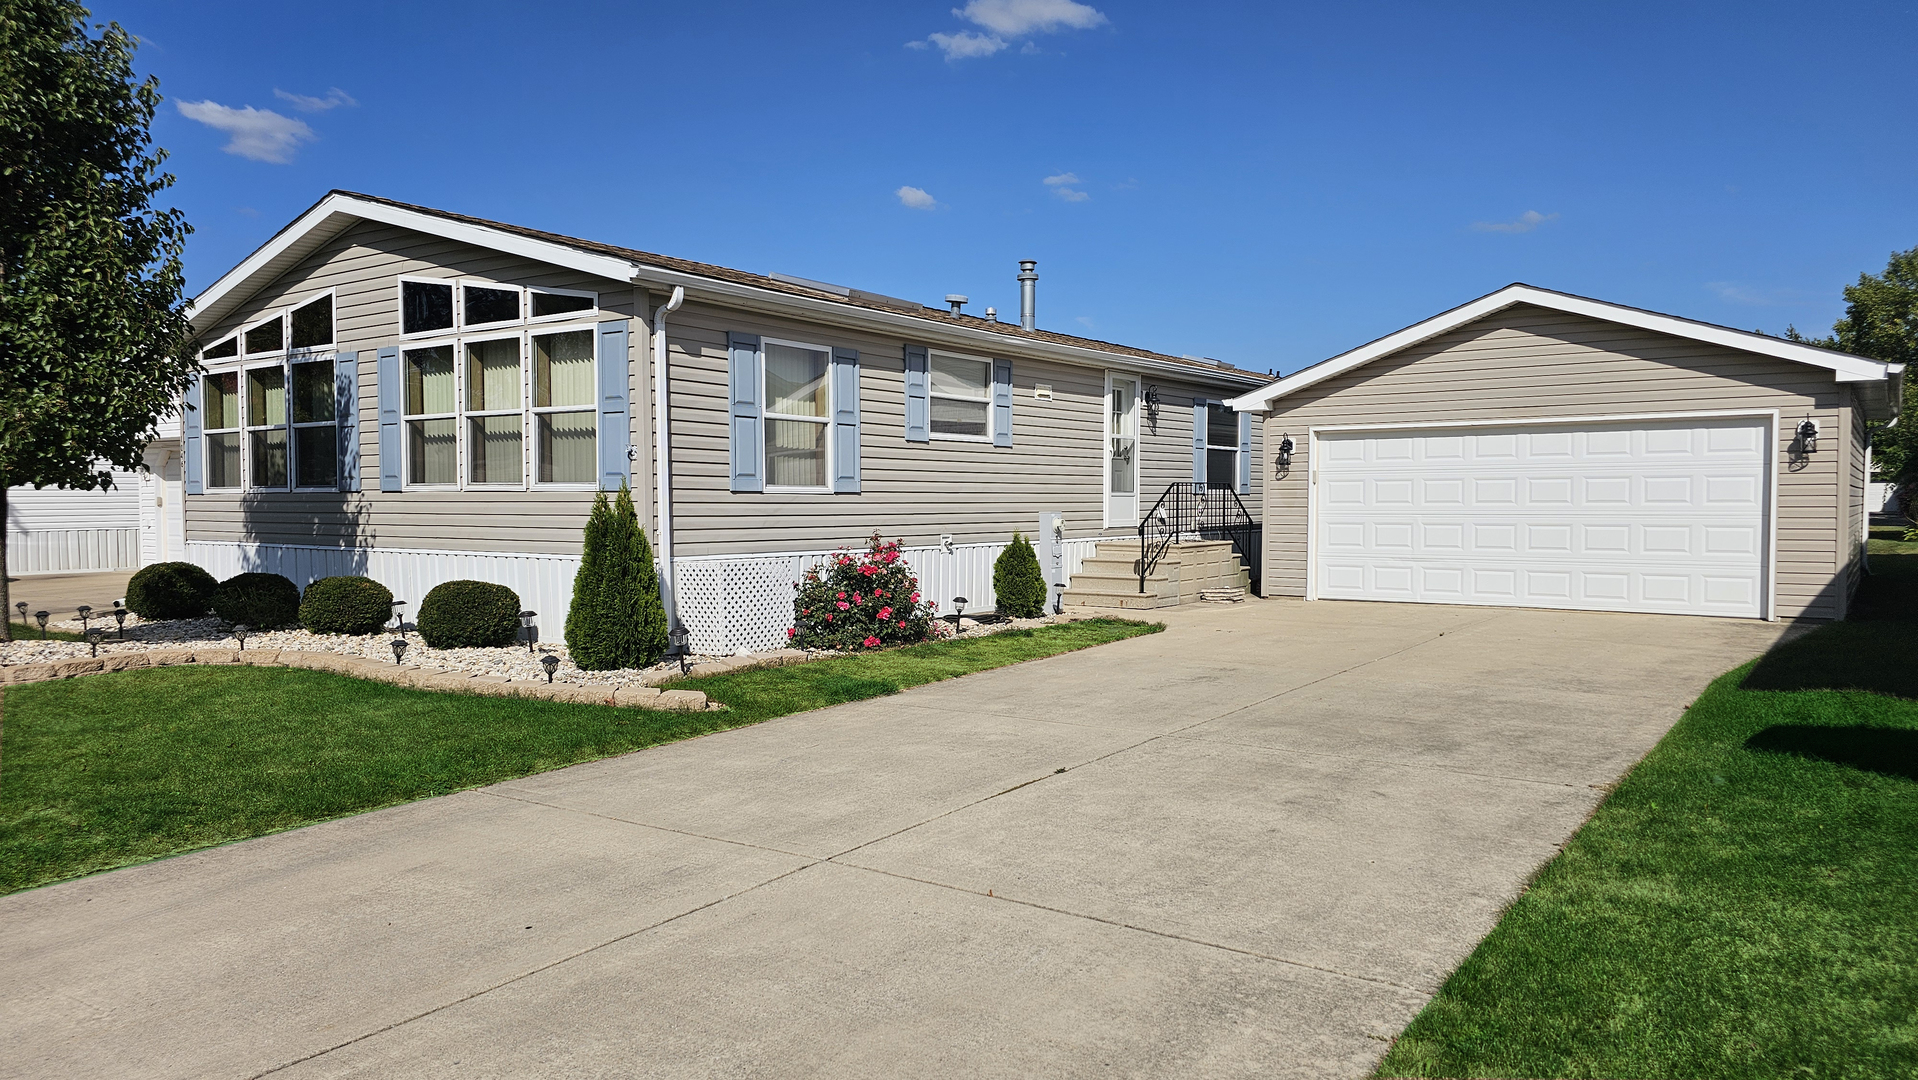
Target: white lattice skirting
(730, 603)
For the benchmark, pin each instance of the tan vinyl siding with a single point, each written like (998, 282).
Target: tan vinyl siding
(1857, 521)
(1529, 363)
(917, 491)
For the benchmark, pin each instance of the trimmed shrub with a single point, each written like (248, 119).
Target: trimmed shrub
(261, 601)
(1018, 585)
(346, 605)
(616, 619)
(863, 601)
(171, 590)
(469, 614)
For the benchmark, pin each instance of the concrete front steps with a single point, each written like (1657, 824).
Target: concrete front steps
(1110, 576)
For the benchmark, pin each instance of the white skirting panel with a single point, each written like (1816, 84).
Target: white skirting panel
(68, 551)
(730, 603)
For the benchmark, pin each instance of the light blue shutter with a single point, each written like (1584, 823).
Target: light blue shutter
(392, 434)
(918, 395)
(1002, 403)
(845, 421)
(1245, 453)
(615, 406)
(346, 413)
(192, 438)
(743, 408)
(1198, 443)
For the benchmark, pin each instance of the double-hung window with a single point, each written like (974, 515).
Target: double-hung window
(960, 389)
(266, 425)
(798, 401)
(489, 401)
(220, 423)
(1221, 446)
(316, 458)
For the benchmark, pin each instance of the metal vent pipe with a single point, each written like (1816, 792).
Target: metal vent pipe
(1028, 290)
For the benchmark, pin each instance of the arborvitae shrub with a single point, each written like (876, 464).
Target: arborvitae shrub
(1018, 584)
(616, 619)
(171, 590)
(345, 605)
(261, 601)
(863, 601)
(469, 614)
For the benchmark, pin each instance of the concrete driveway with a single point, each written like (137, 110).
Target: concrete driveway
(1252, 845)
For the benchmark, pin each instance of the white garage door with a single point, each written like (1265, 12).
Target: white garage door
(1659, 517)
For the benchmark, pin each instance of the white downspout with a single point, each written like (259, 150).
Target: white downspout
(663, 457)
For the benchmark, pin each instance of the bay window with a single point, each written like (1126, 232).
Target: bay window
(798, 412)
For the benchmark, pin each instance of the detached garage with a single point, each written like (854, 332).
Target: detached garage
(1538, 449)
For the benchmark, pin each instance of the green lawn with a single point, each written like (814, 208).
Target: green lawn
(1744, 904)
(26, 632)
(106, 770)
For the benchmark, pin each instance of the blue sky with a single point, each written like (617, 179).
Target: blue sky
(1263, 183)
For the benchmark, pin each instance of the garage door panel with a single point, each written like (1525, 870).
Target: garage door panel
(1661, 517)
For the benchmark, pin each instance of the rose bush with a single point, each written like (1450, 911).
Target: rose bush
(862, 600)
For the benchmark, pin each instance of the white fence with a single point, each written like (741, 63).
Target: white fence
(729, 603)
(65, 551)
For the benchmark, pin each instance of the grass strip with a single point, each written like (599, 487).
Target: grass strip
(1741, 905)
(107, 770)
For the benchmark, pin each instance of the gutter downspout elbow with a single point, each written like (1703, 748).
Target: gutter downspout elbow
(663, 458)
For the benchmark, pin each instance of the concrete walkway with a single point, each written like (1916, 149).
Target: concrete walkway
(1252, 845)
(59, 595)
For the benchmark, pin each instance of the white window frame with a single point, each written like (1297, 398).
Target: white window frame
(331, 359)
(932, 395)
(227, 365)
(551, 327)
(767, 416)
(1110, 520)
(399, 307)
(247, 328)
(331, 343)
(564, 316)
(459, 305)
(248, 427)
(1232, 480)
(407, 482)
(465, 414)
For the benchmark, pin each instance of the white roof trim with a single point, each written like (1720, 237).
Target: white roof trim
(1845, 366)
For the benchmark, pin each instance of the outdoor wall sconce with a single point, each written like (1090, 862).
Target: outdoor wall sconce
(1808, 436)
(399, 617)
(83, 611)
(526, 627)
(240, 632)
(399, 649)
(93, 637)
(1284, 461)
(120, 616)
(1151, 398)
(551, 664)
(681, 642)
(41, 617)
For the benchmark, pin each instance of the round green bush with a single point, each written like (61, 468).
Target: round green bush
(171, 590)
(260, 601)
(345, 605)
(469, 614)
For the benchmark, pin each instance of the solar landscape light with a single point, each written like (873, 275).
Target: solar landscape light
(21, 607)
(959, 610)
(93, 636)
(41, 618)
(399, 648)
(681, 642)
(551, 664)
(399, 617)
(84, 610)
(120, 616)
(526, 627)
(241, 630)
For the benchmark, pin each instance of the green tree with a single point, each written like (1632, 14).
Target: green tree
(1018, 585)
(616, 620)
(1881, 321)
(93, 331)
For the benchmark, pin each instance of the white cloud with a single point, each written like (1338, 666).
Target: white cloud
(965, 44)
(1062, 178)
(1016, 18)
(916, 198)
(257, 134)
(1010, 19)
(1071, 194)
(1529, 220)
(334, 99)
(1059, 182)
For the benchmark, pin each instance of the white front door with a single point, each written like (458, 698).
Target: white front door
(1660, 516)
(1122, 451)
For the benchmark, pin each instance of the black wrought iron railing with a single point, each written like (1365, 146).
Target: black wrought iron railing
(1194, 511)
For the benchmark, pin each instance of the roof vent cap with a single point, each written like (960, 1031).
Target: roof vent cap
(957, 301)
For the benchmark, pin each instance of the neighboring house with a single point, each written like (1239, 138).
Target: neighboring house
(1537, 449)
(418, 396)
(134, 523)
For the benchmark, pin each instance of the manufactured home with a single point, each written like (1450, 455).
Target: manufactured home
(418, 396)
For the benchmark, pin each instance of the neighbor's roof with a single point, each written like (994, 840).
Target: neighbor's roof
(1881, 383)
(340, 210)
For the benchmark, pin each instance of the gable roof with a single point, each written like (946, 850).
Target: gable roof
(1880, 383)
(340, 210)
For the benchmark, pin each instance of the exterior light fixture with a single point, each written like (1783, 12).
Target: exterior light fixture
(1808, 436)
(84, 610)
(959, 610)
(41, 617)
(526, 627)
(120, 616)
(399, 648)
(93, 637)
(399, 617)
(681, 642)
(240, 631)
(1285, 454)
(551, 664)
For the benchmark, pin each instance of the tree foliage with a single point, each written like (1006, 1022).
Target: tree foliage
(1881, 321)
(616, 619)
(93, 332)
(1018, 584)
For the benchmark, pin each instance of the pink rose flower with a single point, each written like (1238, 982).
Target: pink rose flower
(872, 643)
(855, 598)
(885, 613)
(902, 624)
(915, 598)
(842, 606)
(791, 630)
(842, 596)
